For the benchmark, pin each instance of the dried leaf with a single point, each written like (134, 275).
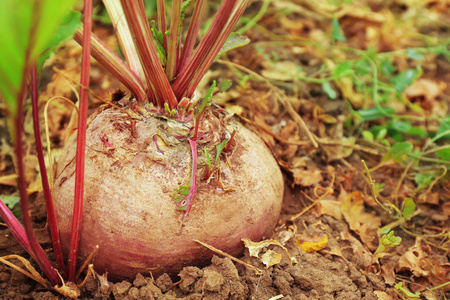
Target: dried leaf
(357, 248)
(388, 273)
(10, 180)
(352, 207)
(254, 248)
(313, 244)
(339, 151)
(411, 260)
(281, 70)
(427, 88)
(69, 289)
(270, 258)
(446, 209)
(330, 208)
(306, 177)
(383, 296)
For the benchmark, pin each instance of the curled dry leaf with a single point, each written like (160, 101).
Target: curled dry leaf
(411, 259)
(388, 273)
(69, 289)
(312, 244)
(105, 287)
(358, 249)
(383, 296)
(306, 177)
(352, 206)
(364, 224)
(10, 180)
(330, 208)
(426, 88)
(270, 258)
(254, 248)
(282, 70)
(339, 151)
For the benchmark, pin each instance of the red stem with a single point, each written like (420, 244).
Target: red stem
(161, 12)
(154, 73)
(192, 33)
(226, 18)
(39, 253)
(116, 66)
(172, 47)
(51, 215)
(16, 228)
(81, 142)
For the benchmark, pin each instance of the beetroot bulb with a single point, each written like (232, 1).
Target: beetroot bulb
(132, 173)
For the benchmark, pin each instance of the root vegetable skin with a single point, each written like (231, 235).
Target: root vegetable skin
(129, 209)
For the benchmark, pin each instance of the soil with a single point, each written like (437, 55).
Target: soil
(317, 275)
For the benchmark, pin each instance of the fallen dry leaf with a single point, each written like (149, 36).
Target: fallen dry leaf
(411, 259)
(438, 273)
(388, 273)
(383, 296)
(427, 88)
(312, 244)
(338, 151)
(254, 248)
(364, 224)
(270, 258)
(330, 208)
(357, 248)
(281, 70)
(10, 180)
(446, 209)
(352, 206)
(306, 177)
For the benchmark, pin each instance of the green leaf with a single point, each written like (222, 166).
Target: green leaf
(233, 41)
(387, 67)
(336, 35)
(219, 149)
(378, 188)
(375, 113)
(402, 80)
(184, 5)
(399, 150)
(343, 69)
(444, 128)
(414, 54)
(329, 90)
(406, 127)
(20, 21)
(170, 112)
(388, 241)
(423, 180)
(158, 35)
(208, 159)
(409, 207)
(224, 85)
(444, 154)
(368, 136)
(407, 293)
(207, 98)
(10, 201)
(69, 24)
(362, 67)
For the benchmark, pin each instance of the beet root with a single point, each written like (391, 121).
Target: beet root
(129, 209)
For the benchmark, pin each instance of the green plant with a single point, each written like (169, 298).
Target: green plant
(386, 241)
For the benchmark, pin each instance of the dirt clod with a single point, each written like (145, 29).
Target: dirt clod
(120, 289)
